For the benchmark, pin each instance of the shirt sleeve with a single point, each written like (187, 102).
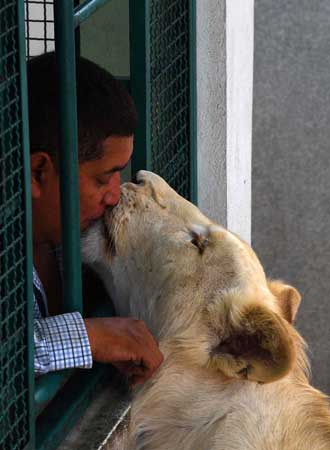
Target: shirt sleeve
(61, 342)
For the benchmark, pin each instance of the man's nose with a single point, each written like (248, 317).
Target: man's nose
(112, 196)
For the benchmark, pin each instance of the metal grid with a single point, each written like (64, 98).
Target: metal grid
(14, 410)
(39, 27)
(170, 94)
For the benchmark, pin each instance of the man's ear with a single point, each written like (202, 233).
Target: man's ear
(41, 165)
(288, 298)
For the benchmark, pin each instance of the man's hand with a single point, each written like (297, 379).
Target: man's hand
(127, 344)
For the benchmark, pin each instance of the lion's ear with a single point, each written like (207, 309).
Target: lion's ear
(257, 346)
(288, 298)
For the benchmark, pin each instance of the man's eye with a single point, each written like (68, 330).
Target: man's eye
(102, 181)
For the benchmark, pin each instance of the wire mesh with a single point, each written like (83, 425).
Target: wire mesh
(39, 27)
(169, 85)
(14, 412)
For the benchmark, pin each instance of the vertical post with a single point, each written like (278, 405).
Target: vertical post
(70, 219)
(140, 80)
(28, 222)
(224, 95)
(239, 42)
(211, 113)
(77, 33)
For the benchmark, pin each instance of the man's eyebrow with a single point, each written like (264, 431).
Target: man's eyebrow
(116, 169)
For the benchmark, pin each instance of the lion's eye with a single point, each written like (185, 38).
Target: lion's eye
(201, 242)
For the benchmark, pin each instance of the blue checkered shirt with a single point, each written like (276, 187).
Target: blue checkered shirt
(61, 342)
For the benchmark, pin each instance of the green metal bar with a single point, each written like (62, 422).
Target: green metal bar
(139, 13)
(193, 102)
(82, 12)
(47, 387)
(69, 405)
(77, 33)
(28, 221)
(65, 57)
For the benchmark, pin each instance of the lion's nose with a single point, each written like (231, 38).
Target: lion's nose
(141, 177)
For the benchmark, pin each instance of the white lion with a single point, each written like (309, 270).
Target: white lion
(234, 375)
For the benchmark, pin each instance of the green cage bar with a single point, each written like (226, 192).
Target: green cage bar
(163, 84)
(50, 385)
(193, 103)
(28, 222)
(140, 81)
(16, 349)
(65, 58)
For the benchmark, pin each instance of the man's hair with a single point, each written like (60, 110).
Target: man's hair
(104, 107)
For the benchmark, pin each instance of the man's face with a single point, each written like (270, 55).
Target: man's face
(100, 179)
(99, 184)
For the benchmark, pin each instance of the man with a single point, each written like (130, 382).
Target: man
(106, 123)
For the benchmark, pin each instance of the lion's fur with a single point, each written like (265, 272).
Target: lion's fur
(235, 374)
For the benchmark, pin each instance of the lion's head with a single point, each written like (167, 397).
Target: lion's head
(194, 282)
